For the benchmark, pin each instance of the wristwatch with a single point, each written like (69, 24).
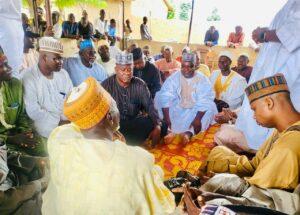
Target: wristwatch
(262, 37)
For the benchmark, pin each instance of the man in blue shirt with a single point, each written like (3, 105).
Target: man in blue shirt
(84, 66)
(70, 28)
(211, 37)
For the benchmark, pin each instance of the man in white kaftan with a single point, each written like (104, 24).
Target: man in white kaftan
(275, 56)
(11, 33)
(46, 86)
(230, 87)
(185, 97)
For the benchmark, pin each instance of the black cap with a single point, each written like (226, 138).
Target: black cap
(137, 53)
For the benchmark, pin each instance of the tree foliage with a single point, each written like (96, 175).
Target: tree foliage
(69, 3)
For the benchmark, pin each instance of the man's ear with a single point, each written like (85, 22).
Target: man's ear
(44, 57)
(270, 102)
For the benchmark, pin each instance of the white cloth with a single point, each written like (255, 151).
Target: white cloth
(44, 98)
(273, 58)
(93, 177)
(30, 59)
(202, 96)
(57, 28)
(11, 33)
(79, 72)
(234, 95)
(109, 66)
(101, 26)
(11, 9)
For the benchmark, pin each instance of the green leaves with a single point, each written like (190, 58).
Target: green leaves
(71, 3)
(214, 16)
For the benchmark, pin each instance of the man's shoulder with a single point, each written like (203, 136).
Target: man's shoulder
(70, 60)
(138, 82)
(62, 75)
(15, 81)
(145, 160)
(215, 73)
(110, 80)
(29, 74)
(99, 66)
(14, 84)
(239, 77)
(150, 66)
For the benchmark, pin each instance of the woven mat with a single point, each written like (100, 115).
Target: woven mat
(174, 157)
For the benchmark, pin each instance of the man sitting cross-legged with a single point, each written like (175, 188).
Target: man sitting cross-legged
(275, 166)
(93, 173)
(139, 118)
(186, 101)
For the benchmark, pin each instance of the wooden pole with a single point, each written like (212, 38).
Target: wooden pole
(123, 25)
(191, 23)
(36, 23)
(48, 13)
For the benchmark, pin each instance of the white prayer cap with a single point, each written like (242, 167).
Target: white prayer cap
(103, 43)
(168, 48)
(49, 44)
(226, 54)
(123, 58)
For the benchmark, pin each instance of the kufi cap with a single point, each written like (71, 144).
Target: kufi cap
(87, 104)
(137, 53)
(168, 48)
(124, 58)
(226, 54)
(49, 44)
(85, 44)
(189, 57)
(103, 43)
(266, 87)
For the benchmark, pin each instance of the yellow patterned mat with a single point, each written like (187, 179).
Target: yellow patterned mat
(174, 157)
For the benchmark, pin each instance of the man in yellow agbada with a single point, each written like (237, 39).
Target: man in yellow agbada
(277, 162)
(271, 179)
(94, 173)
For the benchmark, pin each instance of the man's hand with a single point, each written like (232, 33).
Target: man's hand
(24, 140)
(196, 124)
(186, 137)
(230, 45)
(225, 116)
(256, 34)
(155, 135)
